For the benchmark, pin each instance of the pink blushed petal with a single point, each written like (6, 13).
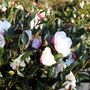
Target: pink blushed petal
(47, 58)
(41, 16)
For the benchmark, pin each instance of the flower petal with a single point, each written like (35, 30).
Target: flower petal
(47, 58)
(2, 41)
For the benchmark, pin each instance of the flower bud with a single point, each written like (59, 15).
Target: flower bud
(37, 42)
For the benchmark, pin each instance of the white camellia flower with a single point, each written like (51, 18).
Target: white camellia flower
(4, 26)
(70, 81)
(2, 41)
(17, 62)
(37, 42)
(47, 58)
(62, 43)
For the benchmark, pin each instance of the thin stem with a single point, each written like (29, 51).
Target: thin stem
(82, 67)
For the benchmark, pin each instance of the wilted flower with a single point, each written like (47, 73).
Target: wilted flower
(37, 42)
(2, 41)
(4, 26)
(62, 43)
(47, 58)
(17, 62)
(70, 81)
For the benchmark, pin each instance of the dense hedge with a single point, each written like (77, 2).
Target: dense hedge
(44, 45)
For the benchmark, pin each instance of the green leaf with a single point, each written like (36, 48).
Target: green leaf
(20, 73)
(83, 76)
(80, 50)
(1, 82)
(24, 38)
(33, 70)
(18, 17)
(39, 86)
(80, 31)
(26, 55)
(6, 3)
(58, 56)
(51, 72)
(73, 67)
(1, 62)
(62, 76)
(10, 34)
(7, 55)
(1, 52)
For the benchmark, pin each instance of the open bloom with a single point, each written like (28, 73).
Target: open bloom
(70, 81)
(2, 41)
(47, 58)
(37, 42)
(62, 43)
(17, 62)
(4, 26)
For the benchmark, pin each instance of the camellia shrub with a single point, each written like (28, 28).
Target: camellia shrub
(46, 48)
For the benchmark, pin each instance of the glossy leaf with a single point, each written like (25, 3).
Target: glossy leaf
(24, 38)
